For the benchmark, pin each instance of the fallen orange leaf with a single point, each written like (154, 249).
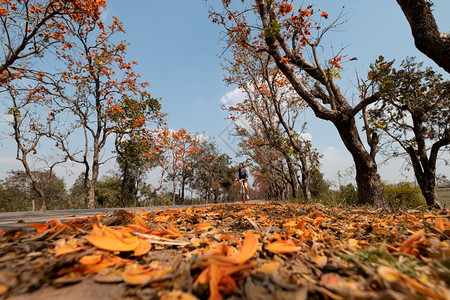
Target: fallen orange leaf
(283, 247)
(39, 227)
(90, 259)
(107, 238)
(439, 223)
(161, 219)
(142, 274)
(227, 283)
(56, 224)
(96, 263)
(248, 248)
(215, 277)
(318, 220)
(3, 288)
(137, 228)
(66, 249)
(408, 246)
(143, 247)
(173, 230)
(138, 221)
(203, 227)
(231, 269)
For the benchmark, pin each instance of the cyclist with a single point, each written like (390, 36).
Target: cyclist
(242, 175)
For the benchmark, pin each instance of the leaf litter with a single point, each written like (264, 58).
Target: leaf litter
(241, 251)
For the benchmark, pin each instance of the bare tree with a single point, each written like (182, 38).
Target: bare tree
(29, 125)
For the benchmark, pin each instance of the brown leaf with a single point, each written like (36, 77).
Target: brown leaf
(143, 274)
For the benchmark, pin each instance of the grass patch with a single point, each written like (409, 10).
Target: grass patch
(443, 196)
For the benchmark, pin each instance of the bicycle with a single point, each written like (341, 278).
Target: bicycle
(243, 190)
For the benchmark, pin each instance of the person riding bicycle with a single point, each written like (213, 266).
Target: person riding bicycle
(242, 175)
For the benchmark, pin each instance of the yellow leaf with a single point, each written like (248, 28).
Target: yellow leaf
(177, 295)
(269, 267)
(353, 244)
(3, 288)
(320, 260)
(290, 224)
(388, 274)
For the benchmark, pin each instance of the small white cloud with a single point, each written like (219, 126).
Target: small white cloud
(11, 161)
(335, 160)
(233, 97)
(306, 136)
(7, 118)
(333, 156)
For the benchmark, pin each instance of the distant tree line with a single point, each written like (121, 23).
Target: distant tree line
(208, 176)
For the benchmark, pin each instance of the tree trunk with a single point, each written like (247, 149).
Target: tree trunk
(293, 180)
(183, 184)
(36, 187)
(427, 37)
(368, 180)
(305, 179)
(425, 172)
(124, 182)
(90, 200)
(427, 186)
(174, 185)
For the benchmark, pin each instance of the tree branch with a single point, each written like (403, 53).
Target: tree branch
(427, 37)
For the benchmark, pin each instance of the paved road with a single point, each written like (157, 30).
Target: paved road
(15, 220)
(12, 220)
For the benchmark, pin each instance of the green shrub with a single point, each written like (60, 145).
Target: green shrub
(348, 194)
(403, 195)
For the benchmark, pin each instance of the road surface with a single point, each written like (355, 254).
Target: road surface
(15, 220)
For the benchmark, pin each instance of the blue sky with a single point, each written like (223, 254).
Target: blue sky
(178, 50)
